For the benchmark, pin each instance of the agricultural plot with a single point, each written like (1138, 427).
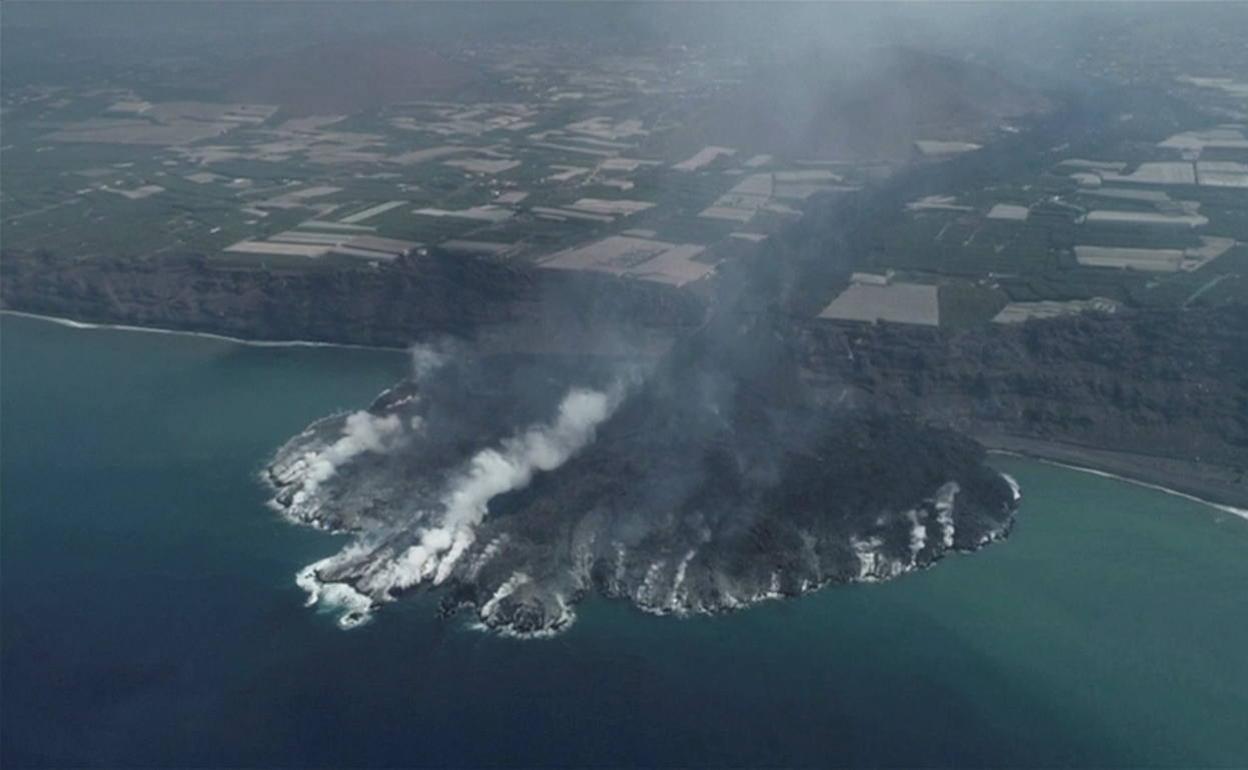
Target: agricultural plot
(1018, 312)
(635, 257)
(704, 157)
(170, 123)
(1211, 173)
(568, 162)
(906, 303)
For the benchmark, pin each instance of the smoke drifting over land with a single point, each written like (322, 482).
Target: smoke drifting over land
(712, 481)
(721, 475)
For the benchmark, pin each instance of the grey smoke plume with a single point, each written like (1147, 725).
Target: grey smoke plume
(696, 493)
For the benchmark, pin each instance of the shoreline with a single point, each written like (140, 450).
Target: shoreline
(85, 325)
(1128, 468)
(1220, 494)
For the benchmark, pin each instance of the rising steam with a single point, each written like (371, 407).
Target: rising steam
(490, 473)
(448, 528)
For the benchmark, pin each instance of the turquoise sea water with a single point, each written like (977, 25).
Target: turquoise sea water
(149, 614)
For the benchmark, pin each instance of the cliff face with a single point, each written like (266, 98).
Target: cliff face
(500, 306)
(1166, 384)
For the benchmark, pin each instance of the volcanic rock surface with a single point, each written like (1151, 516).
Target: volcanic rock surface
(709, 482)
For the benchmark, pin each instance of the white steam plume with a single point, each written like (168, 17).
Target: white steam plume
(492, 472)
(361, 432)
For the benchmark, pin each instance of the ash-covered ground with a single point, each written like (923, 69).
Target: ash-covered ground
(711, 480)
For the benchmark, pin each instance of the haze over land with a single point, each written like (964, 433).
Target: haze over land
(727, 306)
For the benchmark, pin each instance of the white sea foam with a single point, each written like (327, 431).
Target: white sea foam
(356, 608)
(205, 335)
(1240, 512)
(1234, 511)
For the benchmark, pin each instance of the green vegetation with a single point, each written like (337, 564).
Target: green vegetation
(966, 304)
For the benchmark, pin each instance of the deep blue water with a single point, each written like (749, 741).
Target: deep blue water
(149, 615)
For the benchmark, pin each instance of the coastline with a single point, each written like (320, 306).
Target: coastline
(69, 322)
(1196, 482)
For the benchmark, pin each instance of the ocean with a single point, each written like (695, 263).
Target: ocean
(149, 616)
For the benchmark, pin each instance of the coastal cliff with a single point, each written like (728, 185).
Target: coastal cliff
(1155, 394)
(1152, 394)
(499, 306)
